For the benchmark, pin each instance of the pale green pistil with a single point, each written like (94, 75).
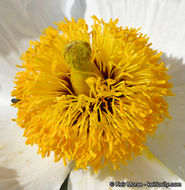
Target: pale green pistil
(78, 55)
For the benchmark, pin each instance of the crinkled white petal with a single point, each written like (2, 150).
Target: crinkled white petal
(168, 143)
(22, 19)
(20, 166)
(162, 22)
(143, 169)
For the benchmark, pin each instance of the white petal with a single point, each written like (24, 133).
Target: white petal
(22, 20)
(25, 19)
(145, 168)
(162, 20)
(73, 8)
(20, 166)
(168, 143)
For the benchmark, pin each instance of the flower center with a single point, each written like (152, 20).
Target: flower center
(124, 83)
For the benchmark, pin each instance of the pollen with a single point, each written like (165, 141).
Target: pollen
(99, 119)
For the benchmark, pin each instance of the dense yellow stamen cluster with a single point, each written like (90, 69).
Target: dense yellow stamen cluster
(110, 125)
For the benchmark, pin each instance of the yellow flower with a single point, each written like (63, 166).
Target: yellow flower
(103, 119)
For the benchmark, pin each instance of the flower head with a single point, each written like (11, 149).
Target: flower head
(91, 97)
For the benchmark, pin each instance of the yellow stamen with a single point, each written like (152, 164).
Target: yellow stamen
(91, 97)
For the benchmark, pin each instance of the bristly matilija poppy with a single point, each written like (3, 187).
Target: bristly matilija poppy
(91, 97)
